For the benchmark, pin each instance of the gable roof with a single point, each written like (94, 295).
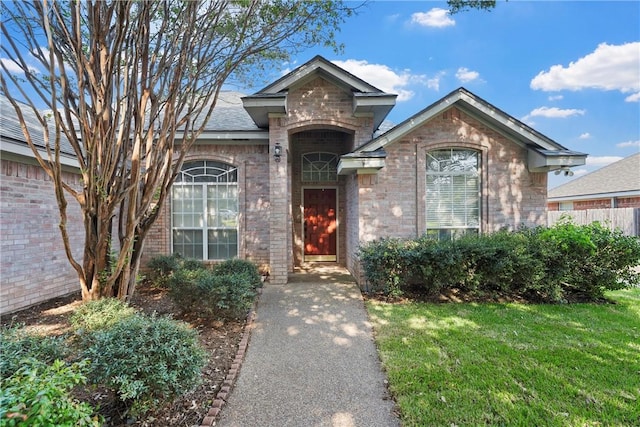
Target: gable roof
(616, 179)
(544, 153)
(367, 99)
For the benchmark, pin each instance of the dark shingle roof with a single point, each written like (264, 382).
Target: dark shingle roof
(621, 176)
(230, 115)
(11, 130)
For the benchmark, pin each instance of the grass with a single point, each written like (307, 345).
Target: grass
(514, 364)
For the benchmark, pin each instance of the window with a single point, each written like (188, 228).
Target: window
(204, 211)
(453, 193)
(319, 167)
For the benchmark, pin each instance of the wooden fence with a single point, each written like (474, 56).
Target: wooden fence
(625, 219)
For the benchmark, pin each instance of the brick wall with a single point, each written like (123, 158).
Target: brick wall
(34, 266)
(253, 203)
(393, 202)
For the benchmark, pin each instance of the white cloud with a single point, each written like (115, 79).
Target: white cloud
(436, 17)
(14, 68)
(627, 144)
(633, 98)
(555, 112)
(609, 67)
(465, 75)
(434, 82)
(384, 78)
(585, 135)
(602, 160)
(555, 97)
(578, 172)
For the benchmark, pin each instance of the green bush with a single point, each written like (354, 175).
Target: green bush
(227, 291)
(588, 259)
(161, 267)
(387, 264)
(552, 263)
(192, 264)
(17, 344)
(145, 359)
(240, 266)
(100, 314)
(38, 394)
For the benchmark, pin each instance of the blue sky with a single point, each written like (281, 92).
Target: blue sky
(569, 69)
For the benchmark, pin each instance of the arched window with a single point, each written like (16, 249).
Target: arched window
(204, 211)
(319, 167)
(453, 193)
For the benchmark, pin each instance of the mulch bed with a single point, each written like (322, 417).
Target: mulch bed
(220, 339)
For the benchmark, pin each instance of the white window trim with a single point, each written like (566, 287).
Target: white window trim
(205, 228)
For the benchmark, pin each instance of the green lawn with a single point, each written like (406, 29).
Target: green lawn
(513, 364)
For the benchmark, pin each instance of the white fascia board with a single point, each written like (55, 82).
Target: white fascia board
(507, 122)
(360, 166)
(538, 162)
(231, 137)
(332, 71)
(261, 108)
(618, 194)
(23, 150)
(409, 125)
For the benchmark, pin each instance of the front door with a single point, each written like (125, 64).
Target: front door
(320, 226)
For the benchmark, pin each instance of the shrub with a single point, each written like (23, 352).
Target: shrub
(551, 263)
(161, 267)
(38, 394)
(16, 344)
(145, 359)
(240, 266)
(387, 264)
(227, 291)
(100, 314)
(192, 264)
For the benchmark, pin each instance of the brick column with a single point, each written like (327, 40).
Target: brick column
(278, 201)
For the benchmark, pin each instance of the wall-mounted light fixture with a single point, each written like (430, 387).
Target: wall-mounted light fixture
(277, 152)
(565, 170)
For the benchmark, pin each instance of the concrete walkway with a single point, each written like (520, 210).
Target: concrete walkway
(311, 359)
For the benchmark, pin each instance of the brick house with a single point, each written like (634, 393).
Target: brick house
(307, 168)
(614, 186)
(301, 171)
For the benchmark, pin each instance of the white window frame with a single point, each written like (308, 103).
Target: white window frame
(456, 221)
(323, 163)
(207, 174)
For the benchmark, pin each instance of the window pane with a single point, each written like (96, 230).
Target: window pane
(452, 192)
(319, 167)
(188, 243)
(205, 199)
(223, 244)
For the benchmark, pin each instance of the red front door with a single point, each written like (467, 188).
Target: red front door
(320, 224)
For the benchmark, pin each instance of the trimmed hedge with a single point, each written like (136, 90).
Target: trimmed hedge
(227, 290)
(548, 263)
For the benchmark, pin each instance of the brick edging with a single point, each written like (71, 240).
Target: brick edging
(232, 375)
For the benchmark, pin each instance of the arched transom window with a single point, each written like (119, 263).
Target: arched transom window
(453, 193)
(204, 211)
(319, 167)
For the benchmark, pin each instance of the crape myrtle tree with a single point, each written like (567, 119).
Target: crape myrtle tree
(130, 85)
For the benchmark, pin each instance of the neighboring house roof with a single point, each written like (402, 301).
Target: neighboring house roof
(367, 99)
(621, 178)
